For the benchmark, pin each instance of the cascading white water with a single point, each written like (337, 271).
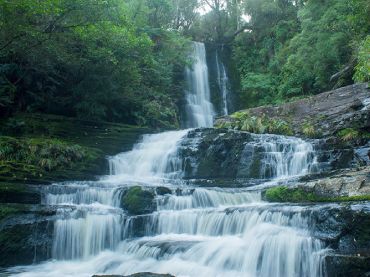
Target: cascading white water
(194, 232)
(223, 84)
(199, 109)
(286, 156)
(219, 232)
(154, 157)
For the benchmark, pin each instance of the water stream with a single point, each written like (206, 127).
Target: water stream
(194, 231)
(223, 84)
(199, 109)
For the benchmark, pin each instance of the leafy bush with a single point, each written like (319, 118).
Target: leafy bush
(96, 60)
(348, 134)
(362, 69)
(258, 124)
(308, 129)
(48, 154)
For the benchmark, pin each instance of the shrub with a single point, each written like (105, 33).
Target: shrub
(309, 130)
(349, 134)
(258, 124)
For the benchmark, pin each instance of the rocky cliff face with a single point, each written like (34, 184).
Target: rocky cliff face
(229, 154)
(321, 115)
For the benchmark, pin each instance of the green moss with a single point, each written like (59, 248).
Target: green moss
(285, 194)
(295, 195)
(26, 159)
(138, 201)
(48, 154)
(257, 124)
(349, 134)
(110, 138)
(37, 148)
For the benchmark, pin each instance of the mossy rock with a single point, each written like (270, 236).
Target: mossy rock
(137, 201)
(42, 148)
(38, 160)
(302, 195)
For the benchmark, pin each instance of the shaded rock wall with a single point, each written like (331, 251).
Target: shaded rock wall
(26, 234)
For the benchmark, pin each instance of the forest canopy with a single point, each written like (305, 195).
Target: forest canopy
(123, 60)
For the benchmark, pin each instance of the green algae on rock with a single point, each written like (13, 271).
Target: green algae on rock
(138, 201)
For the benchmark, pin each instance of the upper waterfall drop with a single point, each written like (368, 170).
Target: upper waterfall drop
(199, 109)
(223, 84)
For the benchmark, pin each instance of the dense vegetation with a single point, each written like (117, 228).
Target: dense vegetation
(293, 48)
(123, 60)
(40, 148)
(93, 59)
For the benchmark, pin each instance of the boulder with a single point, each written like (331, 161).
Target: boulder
(137, 201)
(349, 182)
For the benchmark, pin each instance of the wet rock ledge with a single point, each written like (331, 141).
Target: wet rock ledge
(347, 185)
(344, 111)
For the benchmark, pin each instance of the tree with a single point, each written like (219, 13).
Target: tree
(94, 59)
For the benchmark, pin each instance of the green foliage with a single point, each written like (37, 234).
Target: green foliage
(294, 50)
(138, 201)
(258, 124)
(94, 59)
(48, 154)
(285, 194)
(23, 159)
(296, 195)
(349, 134)
(309, 130)
(362, 68)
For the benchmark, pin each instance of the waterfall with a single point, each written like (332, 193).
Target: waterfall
(223, 84)
(199, 109)
(194, 231)
(154, 157)
(286, 156)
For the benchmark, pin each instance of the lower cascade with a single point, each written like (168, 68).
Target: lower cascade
(192, 230)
